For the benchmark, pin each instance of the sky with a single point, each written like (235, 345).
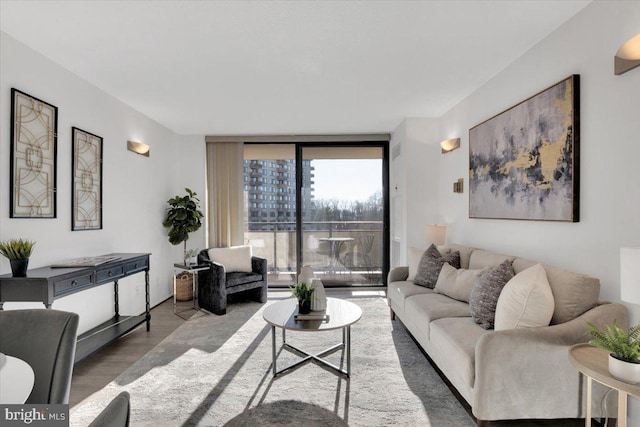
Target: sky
(347, 179)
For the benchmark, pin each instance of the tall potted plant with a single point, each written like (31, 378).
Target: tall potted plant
(183, 217)
(18, 252)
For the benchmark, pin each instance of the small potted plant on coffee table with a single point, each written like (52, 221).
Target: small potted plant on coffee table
(303, 293)
(624, 350)
(18, 252)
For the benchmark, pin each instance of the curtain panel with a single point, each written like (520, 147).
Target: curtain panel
(225, 189)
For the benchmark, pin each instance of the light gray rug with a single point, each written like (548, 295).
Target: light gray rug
(215, 371)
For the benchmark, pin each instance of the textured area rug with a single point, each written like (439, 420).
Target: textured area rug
(216, 371)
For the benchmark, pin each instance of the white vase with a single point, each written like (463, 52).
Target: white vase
(319, 297)
(306, 275)
(624, 371)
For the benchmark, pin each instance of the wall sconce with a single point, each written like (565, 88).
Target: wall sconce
(138, 148)
(458, 186)
(628, 56)
(435, 234)
(449, 145)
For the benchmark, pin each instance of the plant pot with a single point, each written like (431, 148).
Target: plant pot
(304, 307)
(624, 371)
(19, 267)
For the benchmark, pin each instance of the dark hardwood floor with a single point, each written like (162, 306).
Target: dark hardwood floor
(102, 367)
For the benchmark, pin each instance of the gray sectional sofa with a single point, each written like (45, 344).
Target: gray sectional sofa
(507, 374)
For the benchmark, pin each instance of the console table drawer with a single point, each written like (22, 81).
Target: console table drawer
(109, 274)
(62, 286)
(138, 265)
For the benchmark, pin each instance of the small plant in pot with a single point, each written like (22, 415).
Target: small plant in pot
(303, 293)
(18, 252)
(623, 347)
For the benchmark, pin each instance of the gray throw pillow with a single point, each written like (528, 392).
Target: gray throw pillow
(430, 265)
(486, 291)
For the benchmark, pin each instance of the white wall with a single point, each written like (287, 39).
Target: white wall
(135, 188)
(609, 145)
(414, 181)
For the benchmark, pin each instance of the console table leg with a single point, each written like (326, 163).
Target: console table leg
(587, 420)
(116, 298)
(348, 343)
(147, 299)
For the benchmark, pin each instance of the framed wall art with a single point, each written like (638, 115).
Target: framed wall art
(34, 137)
(86, 191)
(524, 162)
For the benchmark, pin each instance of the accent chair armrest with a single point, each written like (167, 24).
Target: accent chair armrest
(259, 265)
(521, 372)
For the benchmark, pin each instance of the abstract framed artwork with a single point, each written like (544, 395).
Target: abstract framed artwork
(86, 191)
(524, 162)
(32, 171)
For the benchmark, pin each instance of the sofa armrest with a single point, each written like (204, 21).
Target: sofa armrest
(259, 265)
(521, 372)
(398, 274)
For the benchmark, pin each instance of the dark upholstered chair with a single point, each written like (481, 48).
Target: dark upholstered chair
(46, 340)
(215, 283)
(116, 414)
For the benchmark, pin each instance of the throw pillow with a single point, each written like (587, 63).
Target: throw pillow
(486, 291)
(456, 283)
(233, 258)
(526, 300)
(431, 264)
(414, 259)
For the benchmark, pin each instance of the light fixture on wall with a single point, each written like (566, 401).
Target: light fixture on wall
(435, 234)
(450, 145)
(630, 275)
(138, 148)
(628, 56)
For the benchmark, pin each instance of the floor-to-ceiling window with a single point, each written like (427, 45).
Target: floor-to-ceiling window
(318, 204)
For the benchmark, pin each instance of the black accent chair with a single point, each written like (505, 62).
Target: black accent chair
(46, 340)
(215, 284)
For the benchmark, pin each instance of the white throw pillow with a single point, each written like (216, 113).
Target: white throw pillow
(234, 258)
(456, 283)
(526, 300)
(414, 259)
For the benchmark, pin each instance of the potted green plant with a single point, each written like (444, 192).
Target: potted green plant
(623, 347)
(183, 217)
(18, 252)
(191, 256)
(303, 293)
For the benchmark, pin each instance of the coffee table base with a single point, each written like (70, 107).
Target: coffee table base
(317, 359)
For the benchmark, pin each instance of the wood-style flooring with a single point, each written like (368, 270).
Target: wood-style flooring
(102, 367)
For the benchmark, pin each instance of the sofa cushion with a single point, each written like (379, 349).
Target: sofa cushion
(526, 301)
(240, 278)
(423, 309)
(486, 291)
(456, 338)
(400, 291)
(482, 259)
(573, 293)
(456, 283)
(233, 258)
(431, 264)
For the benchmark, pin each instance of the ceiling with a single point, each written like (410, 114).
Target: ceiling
(284, 67)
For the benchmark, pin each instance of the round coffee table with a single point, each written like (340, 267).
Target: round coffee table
(342, 314)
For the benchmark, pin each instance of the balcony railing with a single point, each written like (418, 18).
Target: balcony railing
(340, 252)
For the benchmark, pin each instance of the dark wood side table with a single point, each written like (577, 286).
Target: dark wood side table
(46, 284)
(593, 363)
